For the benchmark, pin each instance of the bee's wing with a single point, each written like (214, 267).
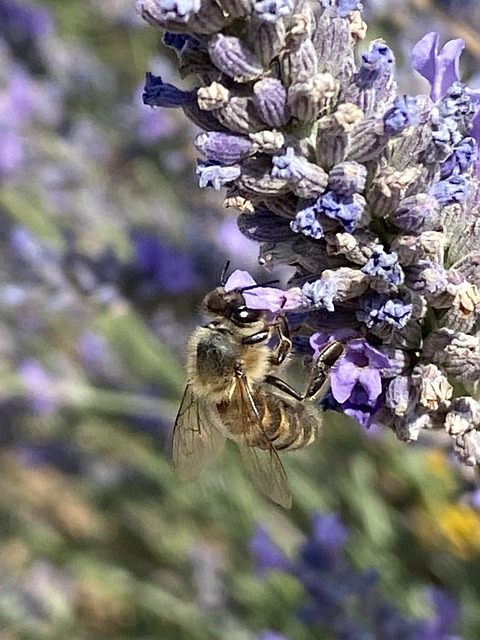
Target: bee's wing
(197, 436)
(261, 461)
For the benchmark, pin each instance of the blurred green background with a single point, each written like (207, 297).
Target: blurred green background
(108, 247)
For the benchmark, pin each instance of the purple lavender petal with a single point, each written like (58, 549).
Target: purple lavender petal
(440, 69)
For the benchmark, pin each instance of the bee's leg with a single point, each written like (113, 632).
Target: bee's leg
(282, 349)
(322, 367)
(320, 373)
(283, 386)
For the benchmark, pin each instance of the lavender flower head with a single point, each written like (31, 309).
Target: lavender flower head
(344, 602)
(373, 197)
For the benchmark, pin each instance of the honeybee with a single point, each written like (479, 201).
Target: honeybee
(232, 392)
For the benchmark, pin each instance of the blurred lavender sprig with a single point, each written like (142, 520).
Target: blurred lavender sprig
(347, 602)
(373, 197)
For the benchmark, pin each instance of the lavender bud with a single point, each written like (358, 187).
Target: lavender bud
(444, 137)
(340, 285)
(216, 176)
(223, 148)
(468, 268)
(236, 8)
(266, 39)
(308, 180)
(434, 388)
(208, 20)
(333, 134)
(213, 97)
(463, 416)
(453, 189)
(239, 116)
(429, 245)
(467, 448)
(268, 141)
(417, 213)
(458, 105)
(308, 98)
(460, 358)
(332, 42)
(431, 280)
(232, 57)
(256, 178)
(357, 247)
(299, 62)
(375, 63)
(402, 395)
(270, 100)
(388, 189)
(461, 159)
(400, 116)
(263, 226)
(347, 178)
(368, 140)
(464, 310)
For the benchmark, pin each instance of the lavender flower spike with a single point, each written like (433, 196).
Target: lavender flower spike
(371, 197)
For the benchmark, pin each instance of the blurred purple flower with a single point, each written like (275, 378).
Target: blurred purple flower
(39, 387)
(160, 266)
(19, 21)
(267, 555)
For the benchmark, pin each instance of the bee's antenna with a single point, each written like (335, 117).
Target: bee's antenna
(260, 284)
(224, 273)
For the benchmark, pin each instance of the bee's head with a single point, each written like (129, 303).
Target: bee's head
(231, 305)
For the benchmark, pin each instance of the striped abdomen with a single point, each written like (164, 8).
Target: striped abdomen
(288, 424)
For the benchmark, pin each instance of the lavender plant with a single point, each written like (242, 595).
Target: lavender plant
(346, 602)
(372, 196)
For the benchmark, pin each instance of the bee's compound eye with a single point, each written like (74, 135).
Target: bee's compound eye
(244, 315)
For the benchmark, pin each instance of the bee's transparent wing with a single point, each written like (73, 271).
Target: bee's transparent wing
(261, 461)
(198, 438)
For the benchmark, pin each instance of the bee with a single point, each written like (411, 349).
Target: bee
(232, 392)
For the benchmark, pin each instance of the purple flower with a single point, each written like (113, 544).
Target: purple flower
(267, 555)
(375, 63)
(461, 159)
(452, 189)
(306, 222)
(377, 308)
(400, 116)
(346, 209)
(320, 293)
(361, 365)
(161, 94)
(177, 40)
(39, 386)
(158, 266)
(266, 298)
(215, 175)
(442, 68)
(385, 266)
